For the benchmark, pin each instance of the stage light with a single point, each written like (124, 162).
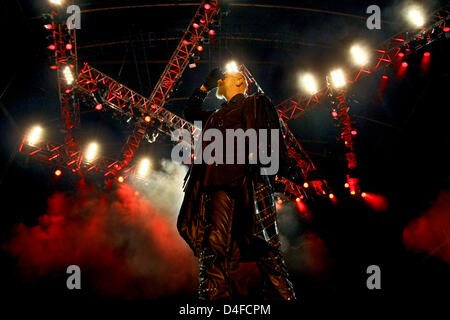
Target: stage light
(58, 173)
(338, 79)
(68, 75)
(363, 194)
(331, 196)
(426, 54)
(56, 2)
(52, 47)
(385, 77)
(200, 48)
(207, 6)
(69, 46)
(297, 199)
(352, 193)
(68, 91)
(401, 55)
(306, 185)
(144, 167)
(280, 201)
(334, 114)
(346, 185)
(354, 132)
(99, 107)
(446, 29)
(185, 42)
(34, 136)
(48, 26)
(359, 55)
(309, 83)
(148, 118)
(415, 16)
(53, 67)
(231, 67)
(120, 179)
(91, 152)
(202, 21)
(212, 32)
(405, 64)
(195, 25)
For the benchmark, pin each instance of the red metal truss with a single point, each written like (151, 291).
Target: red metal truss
(348, 135)
(65, 61)
(125, 100)
(386, 54)
(191, 39)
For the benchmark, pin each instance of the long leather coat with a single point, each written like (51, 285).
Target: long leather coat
(257, 112)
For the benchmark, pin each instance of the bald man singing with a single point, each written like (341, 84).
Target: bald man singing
(228, 215)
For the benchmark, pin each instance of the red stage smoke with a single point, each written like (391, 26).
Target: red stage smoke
(123, 245)
(430, 231)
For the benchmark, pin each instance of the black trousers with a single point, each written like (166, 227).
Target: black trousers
(228, 244)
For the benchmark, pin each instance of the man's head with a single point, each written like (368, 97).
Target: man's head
(233, 84)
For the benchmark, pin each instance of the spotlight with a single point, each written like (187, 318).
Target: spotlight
(195, 25)
(359, 55)
(185, 42)
(207, 6)
(58, 173)
(68, 75)
(212, 32)
(144, 167)
(346, 185)
(56, 2)
(446, 29)
(48, 26)
(306, 185)
(352, 193)
(280, 201)
(120, 179)
(69, 46)
(200, 48)
(148, 118)
(91, 152)
(363, 194)
(415, 16)
(334, 114)
(385, 77)
(404, 64)
(99, 107)
(331, 196)
(309, 83)
(231, 67)
(297, 199)
(52, 47)
(34, 135)
(337, 77)
(354, 132)
(426, 54)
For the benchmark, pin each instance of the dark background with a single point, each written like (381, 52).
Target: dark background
(402, 145)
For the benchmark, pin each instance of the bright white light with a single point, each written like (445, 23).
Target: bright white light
(91, 152)
(359, 55)
(337, 76)
(309, 83)
(232, 67)
(144, 167)
(416, 16)
(68, 75)
(34, 135)
(57, 2)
